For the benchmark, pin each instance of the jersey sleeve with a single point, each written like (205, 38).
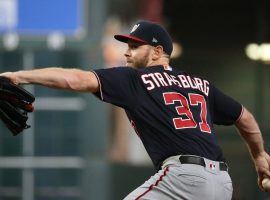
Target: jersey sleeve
(117, 86)
(226, 110)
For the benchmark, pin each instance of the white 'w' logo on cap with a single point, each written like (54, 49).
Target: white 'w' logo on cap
(134, 28)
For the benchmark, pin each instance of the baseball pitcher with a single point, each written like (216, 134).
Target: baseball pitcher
(172, 112)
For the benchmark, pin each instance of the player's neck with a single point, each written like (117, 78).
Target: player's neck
(162, 61)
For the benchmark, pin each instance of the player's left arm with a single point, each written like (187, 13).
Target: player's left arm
(56, 77)
(250, 131)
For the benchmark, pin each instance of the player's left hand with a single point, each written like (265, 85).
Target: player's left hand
(262, 163)
(15, 104)
(11, 76)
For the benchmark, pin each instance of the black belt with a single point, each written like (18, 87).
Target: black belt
(200, 161)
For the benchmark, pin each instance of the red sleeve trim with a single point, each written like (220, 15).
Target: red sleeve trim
(100, 86)
(240, 114)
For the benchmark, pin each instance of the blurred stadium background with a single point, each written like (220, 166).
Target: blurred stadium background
(80, 148)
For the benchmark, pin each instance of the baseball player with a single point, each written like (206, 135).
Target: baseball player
(172, 112)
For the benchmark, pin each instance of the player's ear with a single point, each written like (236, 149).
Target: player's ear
(157, 52)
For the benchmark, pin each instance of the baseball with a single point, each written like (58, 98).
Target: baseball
(266, 184)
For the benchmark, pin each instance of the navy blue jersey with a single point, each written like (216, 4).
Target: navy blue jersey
(171, 111)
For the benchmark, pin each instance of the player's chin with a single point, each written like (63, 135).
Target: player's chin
(129, 64)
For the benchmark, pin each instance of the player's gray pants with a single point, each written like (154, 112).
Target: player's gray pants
(186, 181)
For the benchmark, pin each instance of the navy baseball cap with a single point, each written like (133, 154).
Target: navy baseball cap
(150, 33)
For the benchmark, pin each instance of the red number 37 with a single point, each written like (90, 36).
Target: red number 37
(184, 110)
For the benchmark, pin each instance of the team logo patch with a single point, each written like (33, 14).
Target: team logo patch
(212, 166)
(134, 28)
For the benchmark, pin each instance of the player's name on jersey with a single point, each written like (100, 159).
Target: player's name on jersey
(157, 80)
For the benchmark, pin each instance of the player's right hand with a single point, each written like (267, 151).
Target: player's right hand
(262, 165)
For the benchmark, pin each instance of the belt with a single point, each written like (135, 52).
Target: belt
(184, 159)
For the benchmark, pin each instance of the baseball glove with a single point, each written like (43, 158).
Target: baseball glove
(15, 104)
